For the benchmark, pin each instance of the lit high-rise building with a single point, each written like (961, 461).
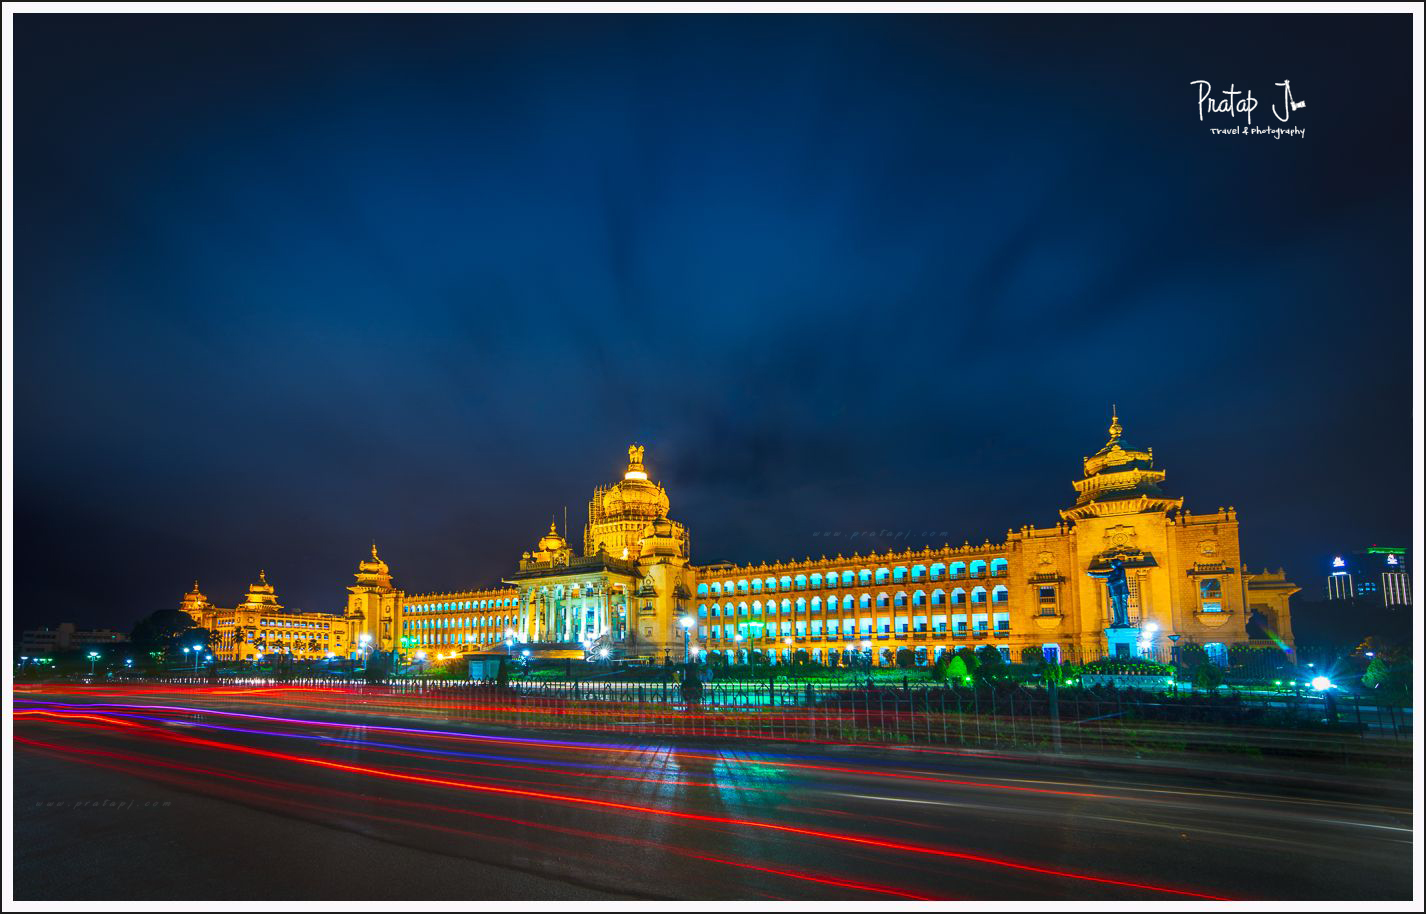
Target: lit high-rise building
(1378, 574)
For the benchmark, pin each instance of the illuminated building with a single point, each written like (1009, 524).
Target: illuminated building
(1378, 574)
(631, 588)
(260, 626)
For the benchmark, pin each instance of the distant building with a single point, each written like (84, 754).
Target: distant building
(260, 626)
(1378, 575)
(65, 637)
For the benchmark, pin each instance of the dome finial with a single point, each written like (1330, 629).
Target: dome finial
(1116, 431)
(374, 556)
(262, 575)
(636, 463)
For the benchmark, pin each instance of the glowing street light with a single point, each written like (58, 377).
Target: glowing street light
(93, 656)
(1321, 683)
(687, 623)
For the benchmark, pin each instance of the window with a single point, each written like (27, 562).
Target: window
(1211, 592)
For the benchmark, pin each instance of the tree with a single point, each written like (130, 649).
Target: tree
(165, 630)
(957, 671)
(991, 667)
(905, 658)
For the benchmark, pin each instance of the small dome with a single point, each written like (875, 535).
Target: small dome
(662, 537)
(552, 541)
(375, 566)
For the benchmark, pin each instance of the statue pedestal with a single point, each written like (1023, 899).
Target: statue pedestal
(1123, 642)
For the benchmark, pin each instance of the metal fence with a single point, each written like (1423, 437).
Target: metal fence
(1349, 729)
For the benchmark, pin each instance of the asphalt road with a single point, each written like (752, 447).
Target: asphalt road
(198, 795)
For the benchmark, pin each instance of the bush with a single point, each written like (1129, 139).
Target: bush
(1132, 667)
(1208, 676)
(957, 671)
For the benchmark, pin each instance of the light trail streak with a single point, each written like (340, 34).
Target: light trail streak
(603, 747)
(627, 808)
(144, 763)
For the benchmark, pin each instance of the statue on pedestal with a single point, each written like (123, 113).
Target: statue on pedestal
(1117, 580)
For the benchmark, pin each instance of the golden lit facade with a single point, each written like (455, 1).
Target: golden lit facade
(1034, 592)
(260, 626)
(632, 591)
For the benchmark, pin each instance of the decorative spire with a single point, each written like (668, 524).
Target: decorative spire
(1116, 431)
(374, 556)
(195, 586)
(636, 463)
(262, 576)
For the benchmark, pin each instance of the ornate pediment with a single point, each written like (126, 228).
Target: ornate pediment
(1131, 558)
(1121, 536)
(646, 587)
(1200, 568)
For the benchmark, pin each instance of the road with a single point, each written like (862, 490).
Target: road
(276, 794)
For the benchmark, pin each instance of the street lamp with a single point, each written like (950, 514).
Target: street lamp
(93, 656)
(687, 623)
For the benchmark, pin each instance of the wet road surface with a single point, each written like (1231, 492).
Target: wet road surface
(271, 793)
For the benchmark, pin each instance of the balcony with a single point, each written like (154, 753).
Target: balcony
(1048, 620)
(919, 636)
(1002, 633)
(1212, 619)
(982, 633)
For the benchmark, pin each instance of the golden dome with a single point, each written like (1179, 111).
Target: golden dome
(375, 566)
(552, 541)
(261, 595)
(634, 497)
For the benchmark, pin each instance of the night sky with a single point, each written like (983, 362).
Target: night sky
(285, 284)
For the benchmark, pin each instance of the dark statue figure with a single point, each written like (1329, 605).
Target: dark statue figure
(1117, 580)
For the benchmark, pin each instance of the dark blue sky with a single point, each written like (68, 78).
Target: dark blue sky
(287, 283)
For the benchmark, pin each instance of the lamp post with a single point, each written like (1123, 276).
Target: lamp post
(93, 656)
(687, 623)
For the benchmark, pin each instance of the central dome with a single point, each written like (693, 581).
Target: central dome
(634, 497)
